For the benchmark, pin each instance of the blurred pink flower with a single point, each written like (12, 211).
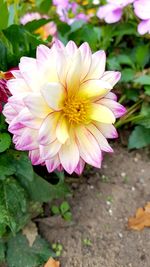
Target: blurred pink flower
(112, 11)
(142, 10)
(45, 30)
(62, 108)
(65, 8)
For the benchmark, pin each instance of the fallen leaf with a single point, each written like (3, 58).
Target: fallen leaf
(141, 219)
(52, 263)
(31, 232)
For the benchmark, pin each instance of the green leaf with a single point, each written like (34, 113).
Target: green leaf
(42, 191)
(143, 80)
(124, 59)
(140, 137)
(64, 207)
(127, 75)
(4, 14)
(13, 205)
(36, 24)
(16, 162)
(22, 164)
(6, 168)
(55, 210)
(2, 251)
(142, 55)
(20, 254)
(3, 125)
(5, 141)
(67, 216)
(147, 89)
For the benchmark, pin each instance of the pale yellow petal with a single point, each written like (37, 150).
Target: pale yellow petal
(101, 113)
(62, 130)
(94, 88)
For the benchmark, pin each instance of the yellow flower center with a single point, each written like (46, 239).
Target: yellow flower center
(76, 110)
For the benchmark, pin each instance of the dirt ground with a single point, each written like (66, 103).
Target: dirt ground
(101, 206)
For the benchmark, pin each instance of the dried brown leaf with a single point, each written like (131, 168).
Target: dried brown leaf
(141, 219)
(31, 232)
(52, 263)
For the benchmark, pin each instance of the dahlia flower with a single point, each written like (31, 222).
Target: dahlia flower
(45, 30)
(61, 108)
(142, 10)
(112, 11)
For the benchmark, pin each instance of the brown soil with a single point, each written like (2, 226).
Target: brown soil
(101, 206)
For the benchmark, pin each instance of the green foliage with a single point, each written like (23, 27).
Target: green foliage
(16, 163)
(63, 210)
(4, 14)
(139, 138)
(5, 141)
(20, 254)
(2, 251)
(13, 206)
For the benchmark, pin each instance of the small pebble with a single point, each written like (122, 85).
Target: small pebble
(105, 166)
(120, 235)
(123, 174)
(108, 203)
(110, 212)
(133, 188)
(91, 187)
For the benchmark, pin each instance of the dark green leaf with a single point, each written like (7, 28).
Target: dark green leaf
(36, 24)
(2, 251)
(42, 191)
(5, 141)
(142, 55)
(140, 137)
(13, 205)
(20, 254)
(127, 75)
(22, 164)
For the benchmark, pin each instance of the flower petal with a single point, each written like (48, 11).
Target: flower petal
(18, 87)
(115, 107)
(50, 150)
(108, 130)
(69, 155)
(52, 163)
(62, 130)
(88, 147)
(101, 113)
(28, 120)
(29, 71)
(53, 94)
(74, 73)
(86, 57)
(35, 158)
(28, 140)
(94, 88)
(80, 167)
(111, 77)
(100, 138)
(112, 96)
(47, 132)
(37, 105)
(97, 67)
